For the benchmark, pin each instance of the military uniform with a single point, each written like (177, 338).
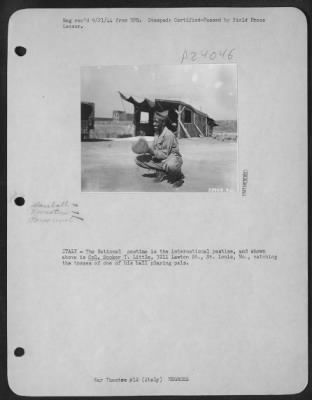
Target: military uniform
(164, 155)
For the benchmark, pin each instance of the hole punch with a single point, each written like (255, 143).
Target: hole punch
(20, 51)
(19, 352)
(19, 201)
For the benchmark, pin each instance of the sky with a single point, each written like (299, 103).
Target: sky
(211, 88)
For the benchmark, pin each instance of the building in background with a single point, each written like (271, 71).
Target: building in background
(87, 119)
(184, 119)
(119, 115)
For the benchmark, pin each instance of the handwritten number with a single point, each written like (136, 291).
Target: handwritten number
(230, 56)
(222, 53)
(184, 56)
(193, 55)
(205, 53)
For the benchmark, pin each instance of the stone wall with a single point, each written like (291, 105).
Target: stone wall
(113, 129)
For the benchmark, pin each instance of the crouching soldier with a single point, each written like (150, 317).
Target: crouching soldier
(163, 155)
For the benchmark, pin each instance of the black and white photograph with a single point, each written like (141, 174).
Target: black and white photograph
(159, 128)
(157, 199)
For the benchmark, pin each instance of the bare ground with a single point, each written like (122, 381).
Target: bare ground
(108, 166)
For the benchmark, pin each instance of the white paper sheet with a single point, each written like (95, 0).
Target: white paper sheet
(226, 311)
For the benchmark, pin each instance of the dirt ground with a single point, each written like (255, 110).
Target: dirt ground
(108, 166)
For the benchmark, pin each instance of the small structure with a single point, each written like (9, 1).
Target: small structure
(119, 115)
(211, 124)
(184, 119)
(87, 119)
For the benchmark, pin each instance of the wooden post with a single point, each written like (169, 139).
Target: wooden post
(179, 126)
(198, 130)
(185, 131)
(179, 111)
(137, 115)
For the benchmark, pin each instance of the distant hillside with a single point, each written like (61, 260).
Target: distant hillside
(225, 126)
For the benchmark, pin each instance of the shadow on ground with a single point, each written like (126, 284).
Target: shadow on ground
(97, 140)
(110, 167)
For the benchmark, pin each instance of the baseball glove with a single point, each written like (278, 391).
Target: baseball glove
(140, 146)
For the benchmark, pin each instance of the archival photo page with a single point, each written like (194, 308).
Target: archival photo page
(159, 128)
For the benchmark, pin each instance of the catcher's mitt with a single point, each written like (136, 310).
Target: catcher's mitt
(140, 146)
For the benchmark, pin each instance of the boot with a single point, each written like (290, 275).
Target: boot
(178, 181)
(160, 176)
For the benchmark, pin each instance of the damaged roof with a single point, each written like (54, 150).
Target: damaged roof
(147, 105)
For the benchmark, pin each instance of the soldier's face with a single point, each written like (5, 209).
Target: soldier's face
(158, 124)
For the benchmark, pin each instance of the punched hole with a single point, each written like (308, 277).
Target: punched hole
(19, 352)
(20, 51)
(19, 201)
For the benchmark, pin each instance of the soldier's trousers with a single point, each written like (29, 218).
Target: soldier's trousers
(171, 165)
